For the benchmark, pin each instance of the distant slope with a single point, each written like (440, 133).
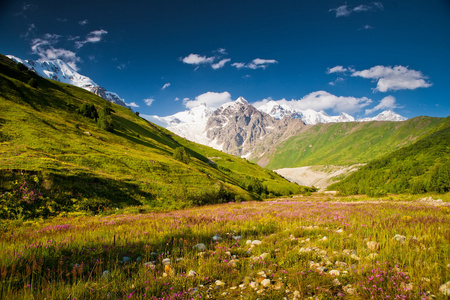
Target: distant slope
(421, 167)
(346, 143)
(64, 161)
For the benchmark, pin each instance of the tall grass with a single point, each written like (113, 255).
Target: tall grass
(310, 247)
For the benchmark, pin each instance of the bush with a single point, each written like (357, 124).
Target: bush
(21, 67)
(180, 154)
(88, 110)
(33, 83)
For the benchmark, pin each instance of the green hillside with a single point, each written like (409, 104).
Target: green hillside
(419, 168)
(54, 158)
(348, 143)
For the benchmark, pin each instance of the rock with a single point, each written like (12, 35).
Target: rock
(248, 242)
(341, 264)
(105, 274)
(192, 273)
(219, 283)
(292, 237)
(335, 273)
(399, 238)
(200, 247)
(336, 282)
(236, 237)
(322, 269)
(324, 238)
(87, 133)
(355, 257)
(256, 242)
(253, 285)
(373, 246)
(216, 238)
(266, 283)
(263, 256)
(126, 259)
(338, 231)
(180, 258)
(149, 265)
(166, 261)
(278, 285)
(445, 288)
(372, 256)
(139, 259)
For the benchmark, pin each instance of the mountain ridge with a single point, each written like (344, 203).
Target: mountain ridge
(60, 71)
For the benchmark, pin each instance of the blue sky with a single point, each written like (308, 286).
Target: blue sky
(360, 57)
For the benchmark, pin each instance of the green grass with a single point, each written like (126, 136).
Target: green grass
(69, 163)
(302, 241)
(419, 168)
(348, 143)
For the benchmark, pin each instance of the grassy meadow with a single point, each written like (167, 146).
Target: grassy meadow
(304, 247)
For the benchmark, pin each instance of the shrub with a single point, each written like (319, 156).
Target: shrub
(180, 154)
(88, 110)
(33, 83)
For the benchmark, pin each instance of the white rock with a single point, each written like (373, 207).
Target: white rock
(372, 255)
(445, 288)
(126, 259)
(399, 238)
(105, 274)
(192, 273)
(237, 237)
(248, 242)
(355, 257)
(256, 242)
(335, 273)
(149, 265)
(266, 282)
(324, 238)
(253, 285)
(336, 282)
(166, 261)
(264, 255)
(373, 245)
(200, 247)
(220, 283)
(216, 238)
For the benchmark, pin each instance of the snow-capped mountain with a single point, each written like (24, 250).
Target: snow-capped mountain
(238, 128)
(308, 116)
(387, 115)
(60, 71)
(190, 124)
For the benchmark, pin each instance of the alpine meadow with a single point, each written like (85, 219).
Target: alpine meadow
(251, 150)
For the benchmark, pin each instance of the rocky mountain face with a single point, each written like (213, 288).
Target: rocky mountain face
(240, 129)
(60, 71)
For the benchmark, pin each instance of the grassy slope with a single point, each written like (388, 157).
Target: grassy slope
(43, 139)
(349, 143)
(421, 167)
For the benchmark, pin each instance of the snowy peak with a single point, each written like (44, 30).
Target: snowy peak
(387, 115)
(60, 71)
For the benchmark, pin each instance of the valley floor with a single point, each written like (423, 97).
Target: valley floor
(318, 176)
(305, 247)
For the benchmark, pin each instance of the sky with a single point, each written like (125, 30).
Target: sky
(166, 56)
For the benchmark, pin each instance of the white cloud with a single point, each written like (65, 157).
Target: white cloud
(132, 104)
(345, 10)
(210, 99)
(220, 64)
(92, 37)
(195, 59)
(149, 101)
(165, 86)
(257, 63)
(83, 22)
(337, 69)
(322, 100)
(222, 51)
(45, 48)
(387, 102)
(339, 79)
(177, 99)
(394, 78)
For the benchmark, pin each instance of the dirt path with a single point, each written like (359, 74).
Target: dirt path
(318, 176)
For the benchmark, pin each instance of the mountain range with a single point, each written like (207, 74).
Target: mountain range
(236, 127)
